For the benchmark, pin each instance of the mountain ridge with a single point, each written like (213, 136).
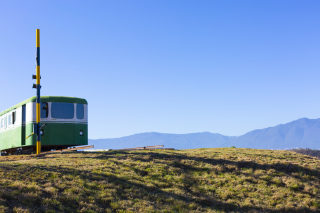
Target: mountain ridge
(300, 133)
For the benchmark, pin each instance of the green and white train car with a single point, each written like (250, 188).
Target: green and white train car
(64, 122)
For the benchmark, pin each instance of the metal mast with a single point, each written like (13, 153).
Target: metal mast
(38, 87)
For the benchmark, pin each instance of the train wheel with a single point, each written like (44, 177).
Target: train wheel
(19, 151)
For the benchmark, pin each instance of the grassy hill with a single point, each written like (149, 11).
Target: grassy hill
(199, 180)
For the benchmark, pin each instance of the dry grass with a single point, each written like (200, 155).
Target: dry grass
(199, 180)
(310, 152)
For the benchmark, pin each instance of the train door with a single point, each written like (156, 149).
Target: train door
(23, 125)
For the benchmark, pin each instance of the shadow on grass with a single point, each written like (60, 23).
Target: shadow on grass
(288, 168)
(148, 193)
(153, 194)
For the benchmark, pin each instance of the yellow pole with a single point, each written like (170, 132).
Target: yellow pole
(38, 91)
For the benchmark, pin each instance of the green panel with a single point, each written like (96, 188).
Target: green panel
(54, 134)
(33, 139)
(10, 138)
(64, 134)
(84, 137)
(58, 134)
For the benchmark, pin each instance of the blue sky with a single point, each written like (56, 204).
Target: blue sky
(173, 66)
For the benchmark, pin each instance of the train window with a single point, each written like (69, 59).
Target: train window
(1, 123)
(9, 119)
(44, 110)
(5, 122)
(62, 110)
(80, 111)
(13, 117)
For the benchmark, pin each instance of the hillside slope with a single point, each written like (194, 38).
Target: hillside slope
(301, 133)
(200, 180)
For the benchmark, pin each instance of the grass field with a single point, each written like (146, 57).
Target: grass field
(199, 180)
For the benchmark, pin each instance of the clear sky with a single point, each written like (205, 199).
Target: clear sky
(170, 66)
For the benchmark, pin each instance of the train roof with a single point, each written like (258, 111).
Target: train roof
(48, 99)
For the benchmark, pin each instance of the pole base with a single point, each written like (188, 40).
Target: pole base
(38, 147)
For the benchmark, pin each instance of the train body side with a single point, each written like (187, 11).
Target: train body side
(57, 133)
(10, 135)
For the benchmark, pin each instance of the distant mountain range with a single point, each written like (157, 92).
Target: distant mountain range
(302, 133)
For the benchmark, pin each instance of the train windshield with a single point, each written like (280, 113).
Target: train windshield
(62, 110)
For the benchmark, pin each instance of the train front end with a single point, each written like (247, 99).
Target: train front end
(64, 122)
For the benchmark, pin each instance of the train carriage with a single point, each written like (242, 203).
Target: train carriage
(64, 123)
